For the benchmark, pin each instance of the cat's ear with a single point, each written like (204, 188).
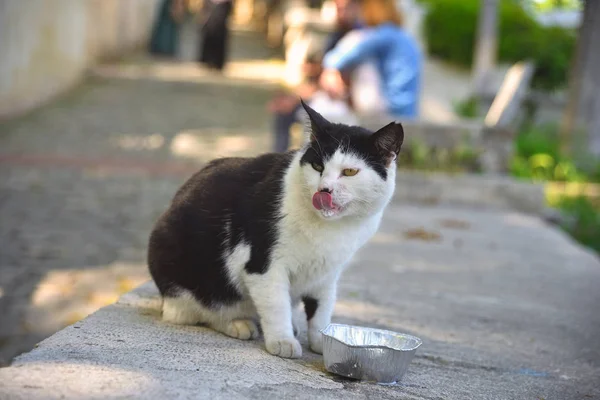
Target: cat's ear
(388, 141)
(317, 122)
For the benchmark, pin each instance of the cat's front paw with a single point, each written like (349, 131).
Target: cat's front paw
(315, 339)
(242, 329)
(286, 348)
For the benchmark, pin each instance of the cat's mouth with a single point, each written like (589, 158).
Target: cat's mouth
(323, 201)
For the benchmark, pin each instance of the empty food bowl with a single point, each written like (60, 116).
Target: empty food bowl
(368, 354)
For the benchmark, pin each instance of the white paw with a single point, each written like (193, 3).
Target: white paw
(315, 338)
(286, 348)
(242, 329)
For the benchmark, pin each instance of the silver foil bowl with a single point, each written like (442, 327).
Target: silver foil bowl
(368, 354)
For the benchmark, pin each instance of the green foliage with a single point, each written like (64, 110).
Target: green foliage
(450, 30)
(467, 108)
(584, 220)
(538, 158)
(549, 5)
(552, 57)
(451, 26)
(538, 140)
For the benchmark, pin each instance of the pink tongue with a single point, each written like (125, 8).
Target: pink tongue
(322, 201)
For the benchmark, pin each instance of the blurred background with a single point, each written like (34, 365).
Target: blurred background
(107, 106)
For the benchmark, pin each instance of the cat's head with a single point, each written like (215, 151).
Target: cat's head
(348, 170)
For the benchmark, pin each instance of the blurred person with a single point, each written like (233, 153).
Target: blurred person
(286, 106)
(164, 39)
(189, 35)
(384, 63)
(215, 33)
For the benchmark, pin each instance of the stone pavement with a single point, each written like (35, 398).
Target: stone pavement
(506, 307)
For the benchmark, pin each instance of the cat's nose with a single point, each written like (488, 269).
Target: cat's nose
(326, 190)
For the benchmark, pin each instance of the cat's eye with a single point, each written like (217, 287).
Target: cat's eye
(349, 171)
(317, 167)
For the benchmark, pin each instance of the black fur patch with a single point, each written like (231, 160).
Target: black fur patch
(234, 198)
(376, 148)
(310, 307)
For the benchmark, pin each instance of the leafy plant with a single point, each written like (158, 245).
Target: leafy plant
(467, 108)
(549, 5)
(584, 220)
(538, 140)
(538, 157)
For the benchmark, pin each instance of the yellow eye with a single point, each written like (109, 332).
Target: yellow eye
(317, 167)
(349, 171)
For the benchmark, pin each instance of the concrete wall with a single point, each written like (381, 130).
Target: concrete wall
(46, 45)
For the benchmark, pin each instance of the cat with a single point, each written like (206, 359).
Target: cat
(246, 240)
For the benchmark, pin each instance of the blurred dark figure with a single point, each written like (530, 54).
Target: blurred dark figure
(215, 33)
(286, 105)
(165, 33)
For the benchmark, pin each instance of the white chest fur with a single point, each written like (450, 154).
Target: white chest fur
(312, 250)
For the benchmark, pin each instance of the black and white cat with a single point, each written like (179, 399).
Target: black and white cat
(245, 240)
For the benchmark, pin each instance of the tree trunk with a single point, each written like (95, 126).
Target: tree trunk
(486, 46)
(580, 130)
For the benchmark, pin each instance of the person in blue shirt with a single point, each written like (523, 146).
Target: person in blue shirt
(390, 49)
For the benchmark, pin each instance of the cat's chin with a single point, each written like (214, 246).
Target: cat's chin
(332, 214)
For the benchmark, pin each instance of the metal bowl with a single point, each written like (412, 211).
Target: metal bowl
(374, 355)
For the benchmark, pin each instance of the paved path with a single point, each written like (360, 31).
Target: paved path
(506, 307)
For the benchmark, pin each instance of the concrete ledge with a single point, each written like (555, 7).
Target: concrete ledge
(494, 145)
(479, 191)
(495, 296)
(125, 351)
(433, 134)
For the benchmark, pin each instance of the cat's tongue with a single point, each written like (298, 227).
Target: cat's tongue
(322, 201)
